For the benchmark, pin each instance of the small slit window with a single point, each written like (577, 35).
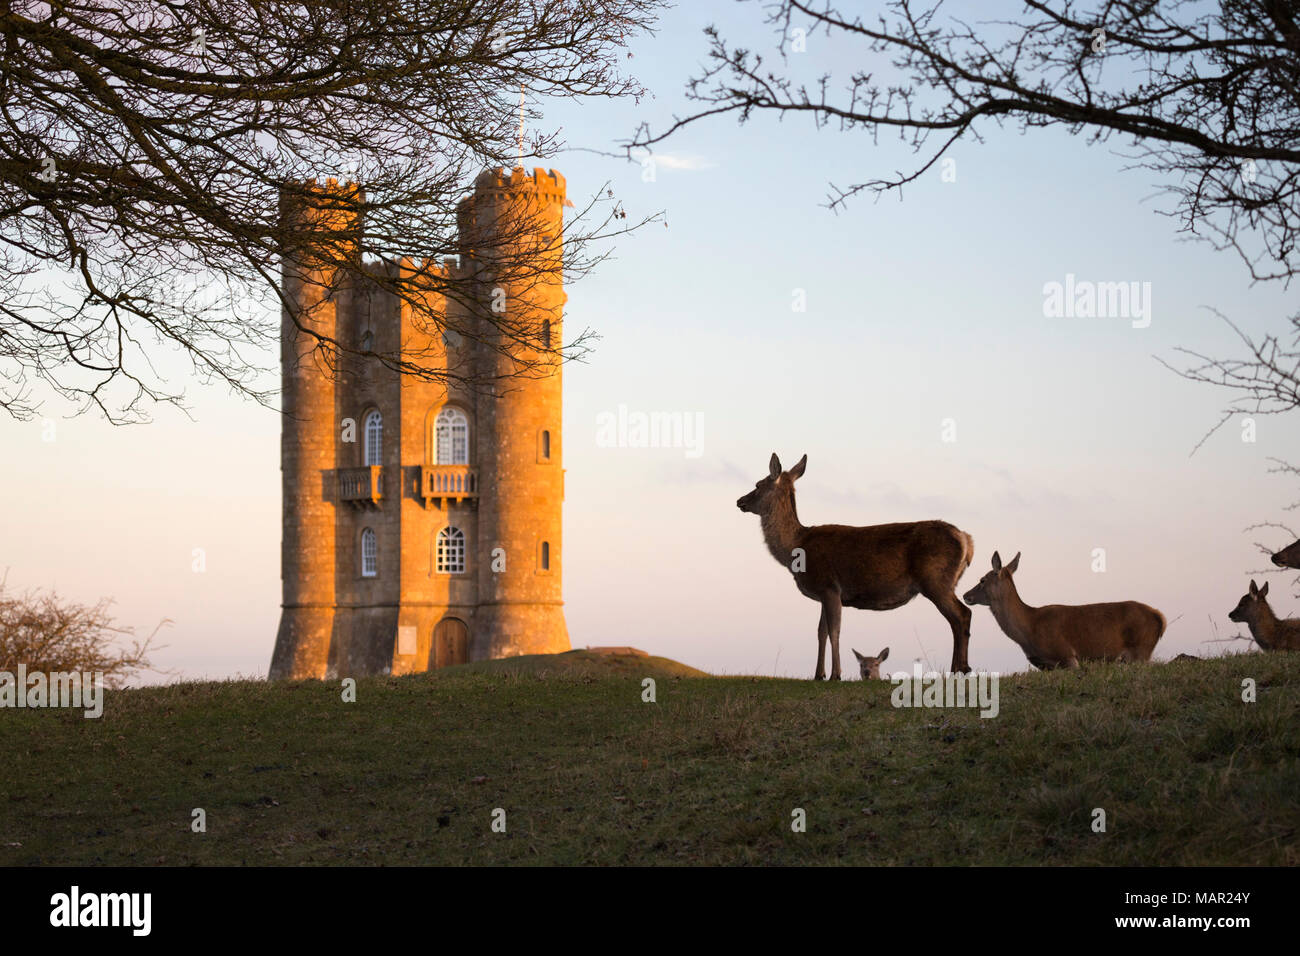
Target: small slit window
(369, 554)
(451, 551)
(545, 450)
(546, 333)
(546, 556)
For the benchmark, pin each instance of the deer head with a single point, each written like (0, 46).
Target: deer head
(993, 585)
(759, 501)
(871, 665)
(1251, 603)
(1288, 557)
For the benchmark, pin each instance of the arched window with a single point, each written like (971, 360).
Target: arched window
(369, 554)
(374, 438)
(545, 449)
(451, 437)
(546, 556)
(546, 333)
(451, 551)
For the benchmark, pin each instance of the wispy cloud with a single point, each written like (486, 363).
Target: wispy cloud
(682, 162)
(708, 471)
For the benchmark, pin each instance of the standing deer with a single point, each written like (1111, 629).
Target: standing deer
(1268, 632)
(1062, 635)
(1288, 557)
(870, 666)
(875, 568)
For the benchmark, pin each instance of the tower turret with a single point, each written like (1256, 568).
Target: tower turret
(512, 227)
(309, 425)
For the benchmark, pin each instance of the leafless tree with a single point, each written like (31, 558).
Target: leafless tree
(1206, 93)
(145, 147)
(51, 634)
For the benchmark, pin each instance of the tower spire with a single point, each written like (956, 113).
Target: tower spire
(520, 162)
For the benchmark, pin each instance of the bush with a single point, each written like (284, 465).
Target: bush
(46, 633)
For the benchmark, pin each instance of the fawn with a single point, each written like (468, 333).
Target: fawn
(1269, 632)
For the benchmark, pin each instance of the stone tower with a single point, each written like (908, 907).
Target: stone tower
(422, 520)
(521, 610)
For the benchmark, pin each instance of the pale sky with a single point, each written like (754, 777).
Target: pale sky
(1069, 434)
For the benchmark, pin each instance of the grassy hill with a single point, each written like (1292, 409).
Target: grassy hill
(588, 773)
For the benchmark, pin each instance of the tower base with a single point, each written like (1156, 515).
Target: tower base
(302, 644)
(509, 630)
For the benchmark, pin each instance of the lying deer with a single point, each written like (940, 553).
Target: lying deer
(1268, 632)
(1062, 635)
(1288, 557)
(876, 568)
(870, 666)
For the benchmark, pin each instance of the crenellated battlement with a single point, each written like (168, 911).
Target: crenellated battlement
(408, 266)
(546, 182)
(339, 211)
(330, 187)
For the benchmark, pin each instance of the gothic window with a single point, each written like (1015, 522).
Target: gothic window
(369, 554)
(374, 438)
(451, 437)
(451, 551)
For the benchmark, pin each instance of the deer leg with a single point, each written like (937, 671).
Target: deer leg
(832, 606)
(958, 616)
(821, 646)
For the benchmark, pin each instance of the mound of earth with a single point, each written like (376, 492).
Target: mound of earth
(594, 662)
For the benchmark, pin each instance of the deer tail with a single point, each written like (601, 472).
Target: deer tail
(967, 551)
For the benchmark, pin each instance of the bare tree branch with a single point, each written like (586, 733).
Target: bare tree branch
(145, 147)
(1207, 93)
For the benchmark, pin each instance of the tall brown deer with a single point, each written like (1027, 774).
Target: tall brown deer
(1288, 557)
(1268, 631)
(875, 568)
(1063, 635)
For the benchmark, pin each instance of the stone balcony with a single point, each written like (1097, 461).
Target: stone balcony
(361, 487)
(452, 482)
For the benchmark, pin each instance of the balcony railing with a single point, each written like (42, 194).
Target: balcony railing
(361, 486)
(454, 482)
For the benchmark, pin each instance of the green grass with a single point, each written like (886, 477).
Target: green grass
(587, 773)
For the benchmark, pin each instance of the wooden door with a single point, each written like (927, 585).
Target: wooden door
(450, 642)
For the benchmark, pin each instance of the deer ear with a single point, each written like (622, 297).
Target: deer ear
(1253, 589)
(883, 654)
(1264, 590)
(797, 471)
(997, 562)
(857, 655)
(774, 466)
(1015, 563)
